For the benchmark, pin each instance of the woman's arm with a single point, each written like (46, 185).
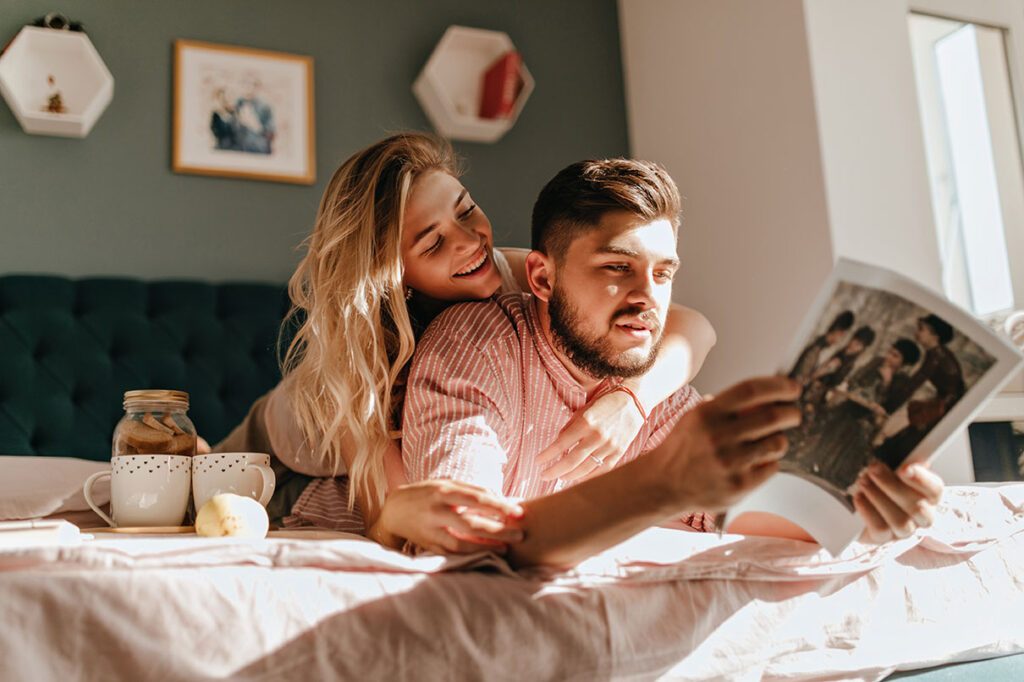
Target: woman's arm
(686, 342)
(516, 258)
(441, 516)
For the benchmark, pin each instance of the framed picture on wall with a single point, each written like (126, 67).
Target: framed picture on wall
(243, 112)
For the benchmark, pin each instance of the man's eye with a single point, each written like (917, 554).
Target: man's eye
(664, 275)
(617, 268)
(468, 212)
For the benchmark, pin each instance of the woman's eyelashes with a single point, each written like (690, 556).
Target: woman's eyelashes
(435, 247)
(439, 242)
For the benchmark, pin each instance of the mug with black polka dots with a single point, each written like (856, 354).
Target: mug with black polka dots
(145, 490)
(242, 473)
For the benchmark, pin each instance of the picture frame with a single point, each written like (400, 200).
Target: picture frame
(243, 112)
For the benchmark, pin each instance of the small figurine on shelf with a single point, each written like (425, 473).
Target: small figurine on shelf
(59, 22)
(54, 103)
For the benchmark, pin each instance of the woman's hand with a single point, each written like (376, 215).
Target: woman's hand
(595, 438)
(894, 505)
(447, 517)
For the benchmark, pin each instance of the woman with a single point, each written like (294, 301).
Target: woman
(397, 239)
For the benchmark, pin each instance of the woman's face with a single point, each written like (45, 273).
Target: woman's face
(446, 242)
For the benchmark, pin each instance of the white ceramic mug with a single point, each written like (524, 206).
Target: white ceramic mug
(241, 473)
(145, 490)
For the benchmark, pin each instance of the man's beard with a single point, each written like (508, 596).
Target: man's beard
(596, 356)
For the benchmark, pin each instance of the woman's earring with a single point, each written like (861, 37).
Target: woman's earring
(408, 293)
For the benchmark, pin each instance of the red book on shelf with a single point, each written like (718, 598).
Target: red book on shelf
(502, 84)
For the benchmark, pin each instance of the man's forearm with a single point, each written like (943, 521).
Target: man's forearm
(566, 527)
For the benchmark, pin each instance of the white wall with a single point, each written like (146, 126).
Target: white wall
(720, 94)
(869, 128)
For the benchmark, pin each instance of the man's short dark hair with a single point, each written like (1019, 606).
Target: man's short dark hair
(941, 328)
(580, 195)
(842, 322)
(909, 350)
(865, 335)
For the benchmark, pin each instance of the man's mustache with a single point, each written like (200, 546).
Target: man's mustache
(646, 315)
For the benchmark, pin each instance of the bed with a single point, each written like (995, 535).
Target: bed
(319, 605)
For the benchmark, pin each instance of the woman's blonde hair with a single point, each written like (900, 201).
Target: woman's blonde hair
(354, 332)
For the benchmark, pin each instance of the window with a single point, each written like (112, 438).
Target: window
(969, 117)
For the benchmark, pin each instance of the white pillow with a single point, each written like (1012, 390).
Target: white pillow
(31, 487)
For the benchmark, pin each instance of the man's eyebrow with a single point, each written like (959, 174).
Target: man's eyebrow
(630, 253)
(432, 226)
(619, 251)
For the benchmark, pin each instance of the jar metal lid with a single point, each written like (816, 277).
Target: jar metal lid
(153, 395)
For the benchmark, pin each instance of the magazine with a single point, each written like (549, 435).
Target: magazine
(890, 371)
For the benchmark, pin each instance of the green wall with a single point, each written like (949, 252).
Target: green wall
(109, 204)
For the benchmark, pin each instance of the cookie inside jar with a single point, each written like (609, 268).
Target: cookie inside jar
(155, 422)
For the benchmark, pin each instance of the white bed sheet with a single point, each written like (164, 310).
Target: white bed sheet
(664, 604)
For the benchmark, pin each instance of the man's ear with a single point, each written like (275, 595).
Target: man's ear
(540, 273)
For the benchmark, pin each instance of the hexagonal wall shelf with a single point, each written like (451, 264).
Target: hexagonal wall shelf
(41, 62)
(449, 86)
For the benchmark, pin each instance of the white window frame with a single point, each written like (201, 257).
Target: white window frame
(1007, 15)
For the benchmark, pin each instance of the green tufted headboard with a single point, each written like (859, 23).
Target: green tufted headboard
(70, 348)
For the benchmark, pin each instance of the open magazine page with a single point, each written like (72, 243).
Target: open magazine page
(889, 371)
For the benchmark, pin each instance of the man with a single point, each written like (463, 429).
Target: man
(813, 355)
(492, 383)
(942, 370)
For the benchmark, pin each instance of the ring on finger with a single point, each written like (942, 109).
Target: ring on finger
(597, 460)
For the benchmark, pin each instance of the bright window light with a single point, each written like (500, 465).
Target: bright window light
(973, 159)
(974, 172)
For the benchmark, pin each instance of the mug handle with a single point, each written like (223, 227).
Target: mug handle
(269, 481)
(87, 491)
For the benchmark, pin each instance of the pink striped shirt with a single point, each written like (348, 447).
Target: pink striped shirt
(487, 394)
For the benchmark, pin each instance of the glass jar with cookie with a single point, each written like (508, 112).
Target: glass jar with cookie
(155, 422)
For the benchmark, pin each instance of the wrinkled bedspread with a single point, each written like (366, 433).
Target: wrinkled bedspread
(664, 604)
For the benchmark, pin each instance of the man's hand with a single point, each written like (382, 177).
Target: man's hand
(595, 438)
(727, 446)
(895, 504)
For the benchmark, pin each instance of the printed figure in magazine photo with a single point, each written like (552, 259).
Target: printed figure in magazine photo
(814, 355)
(828, 376)
(943, 372)
(856, 411)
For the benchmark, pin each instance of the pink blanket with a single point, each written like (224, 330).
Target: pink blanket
(666, 603)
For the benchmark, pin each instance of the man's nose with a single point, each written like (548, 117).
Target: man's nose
(642, 291)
